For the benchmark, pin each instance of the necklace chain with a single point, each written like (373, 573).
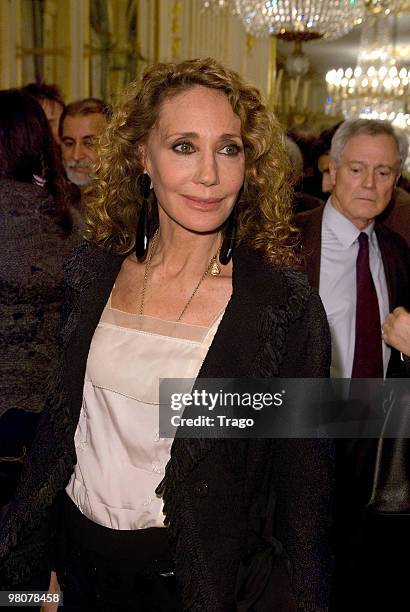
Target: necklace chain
(146, 270)
(151, 254)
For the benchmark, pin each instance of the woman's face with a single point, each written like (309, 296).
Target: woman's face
(195, 158)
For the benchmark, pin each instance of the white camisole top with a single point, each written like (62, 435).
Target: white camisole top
(120, 457)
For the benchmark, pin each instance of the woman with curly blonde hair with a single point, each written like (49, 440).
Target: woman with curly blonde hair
(187, 272)
(263, 211)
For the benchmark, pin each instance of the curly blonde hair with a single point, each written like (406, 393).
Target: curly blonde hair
(264, 209)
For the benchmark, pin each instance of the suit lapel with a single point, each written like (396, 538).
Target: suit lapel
(389, 264)
(310, 224)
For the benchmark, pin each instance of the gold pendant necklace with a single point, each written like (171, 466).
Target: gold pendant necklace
(212, 268)
(215, 268)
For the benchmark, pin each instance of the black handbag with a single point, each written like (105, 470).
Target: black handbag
(390, 492)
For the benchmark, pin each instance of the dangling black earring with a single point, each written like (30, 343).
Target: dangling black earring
(228, 243)
(142, 234)
(40, 179)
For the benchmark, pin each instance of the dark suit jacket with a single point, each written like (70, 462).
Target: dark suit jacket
(216, 492)
(396, 261)
(397, 214)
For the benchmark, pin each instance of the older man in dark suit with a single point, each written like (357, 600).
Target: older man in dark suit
(361, 269)
(366, 161)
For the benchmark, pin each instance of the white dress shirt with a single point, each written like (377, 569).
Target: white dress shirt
(337, 286)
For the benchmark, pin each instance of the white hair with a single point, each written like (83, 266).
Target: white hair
(372, 127)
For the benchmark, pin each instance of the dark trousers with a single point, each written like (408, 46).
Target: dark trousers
(101, 568)
(372, 575)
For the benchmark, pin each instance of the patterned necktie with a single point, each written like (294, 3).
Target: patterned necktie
(368, 355)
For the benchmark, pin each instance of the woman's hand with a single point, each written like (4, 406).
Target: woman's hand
(396, 330)
(54, 587)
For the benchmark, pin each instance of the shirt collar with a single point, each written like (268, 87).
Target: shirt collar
(344, 230)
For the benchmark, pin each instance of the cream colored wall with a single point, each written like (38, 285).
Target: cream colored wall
(9, 39)
(64, 32)
(167, 30)
(187, 31)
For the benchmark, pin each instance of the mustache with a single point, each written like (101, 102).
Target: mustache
(72, 164)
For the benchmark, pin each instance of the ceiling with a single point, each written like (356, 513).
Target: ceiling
(343, 52)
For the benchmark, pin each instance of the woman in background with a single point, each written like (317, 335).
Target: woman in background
(36, 234)
(188, 272)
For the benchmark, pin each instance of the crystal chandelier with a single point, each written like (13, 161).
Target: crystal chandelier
(377, 88)
(300, 20)
(294, 20)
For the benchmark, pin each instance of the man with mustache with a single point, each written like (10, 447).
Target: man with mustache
(81, 124)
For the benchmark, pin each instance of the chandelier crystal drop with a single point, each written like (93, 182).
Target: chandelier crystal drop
(295, 19)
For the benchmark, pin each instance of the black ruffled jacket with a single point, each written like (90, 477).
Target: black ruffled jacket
(274, 325)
